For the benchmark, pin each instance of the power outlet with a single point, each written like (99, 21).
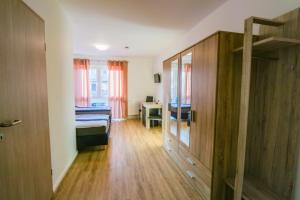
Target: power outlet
(1, 137)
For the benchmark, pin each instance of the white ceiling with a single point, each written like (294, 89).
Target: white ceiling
(146, 26)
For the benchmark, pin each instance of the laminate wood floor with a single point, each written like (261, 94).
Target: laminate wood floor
(134, 166)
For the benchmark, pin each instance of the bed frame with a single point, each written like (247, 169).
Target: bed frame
(93, 136)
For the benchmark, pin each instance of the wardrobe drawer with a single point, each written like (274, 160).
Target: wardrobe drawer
(198, 184)
(196, 166)
(173, 153)
(193, 177)
(171, 148)
(188, 171)
(171, 142)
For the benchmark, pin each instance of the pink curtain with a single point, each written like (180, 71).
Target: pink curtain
(81, 78)
(188, 87)
(118, 88)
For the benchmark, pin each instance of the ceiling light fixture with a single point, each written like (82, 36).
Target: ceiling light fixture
(102, 47)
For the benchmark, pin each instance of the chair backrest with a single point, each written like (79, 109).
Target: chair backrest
(149, 99)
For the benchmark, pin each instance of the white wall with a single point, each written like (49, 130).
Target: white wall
(60, 85)
(140, 82)
(229, 17)
(158, 87)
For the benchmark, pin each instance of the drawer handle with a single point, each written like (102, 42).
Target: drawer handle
(191, 161)
(190, 174)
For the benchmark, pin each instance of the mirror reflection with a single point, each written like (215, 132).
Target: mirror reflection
(173, 102)
(186, 81)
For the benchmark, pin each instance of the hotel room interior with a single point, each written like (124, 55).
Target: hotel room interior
(149, 99)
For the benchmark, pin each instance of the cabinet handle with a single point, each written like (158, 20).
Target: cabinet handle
(191, 161)
(193, 115)
(190, 174)
(10, 123)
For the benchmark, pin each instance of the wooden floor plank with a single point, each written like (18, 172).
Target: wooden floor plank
(134, 166)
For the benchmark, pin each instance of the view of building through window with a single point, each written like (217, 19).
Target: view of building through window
(98, 78)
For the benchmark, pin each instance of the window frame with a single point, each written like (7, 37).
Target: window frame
(99, 98)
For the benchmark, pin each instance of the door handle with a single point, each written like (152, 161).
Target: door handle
(10, 123)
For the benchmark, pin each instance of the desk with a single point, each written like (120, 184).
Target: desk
(146, 107)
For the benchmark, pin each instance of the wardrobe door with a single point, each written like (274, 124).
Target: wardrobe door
(166, 98)
(204, 79)
(173, 101)
(185, 98)
(166, 87)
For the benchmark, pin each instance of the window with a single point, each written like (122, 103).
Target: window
(104, 82)
(98, 79)
(93, 82)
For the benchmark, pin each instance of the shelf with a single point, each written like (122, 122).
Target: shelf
(270, 44)
(268, 22)
(254, 190)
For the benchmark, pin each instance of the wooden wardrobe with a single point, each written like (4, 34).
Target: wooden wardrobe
(206, 81)
(236, 132)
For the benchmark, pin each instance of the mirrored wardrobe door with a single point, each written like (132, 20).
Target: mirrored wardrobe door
(185, 97)
(173, 100)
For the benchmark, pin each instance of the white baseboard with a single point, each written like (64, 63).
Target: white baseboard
(63, 174)
(133, 117)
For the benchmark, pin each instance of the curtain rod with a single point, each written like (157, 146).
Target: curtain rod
(99, 60)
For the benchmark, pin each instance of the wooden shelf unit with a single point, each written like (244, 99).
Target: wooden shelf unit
(270, 44)
(253, 190)
(267, 22)
(268, 120)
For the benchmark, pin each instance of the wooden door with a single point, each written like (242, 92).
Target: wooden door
(204, 75)
(25, 166)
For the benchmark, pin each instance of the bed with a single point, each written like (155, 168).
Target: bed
(92, 130)
(106, 110)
